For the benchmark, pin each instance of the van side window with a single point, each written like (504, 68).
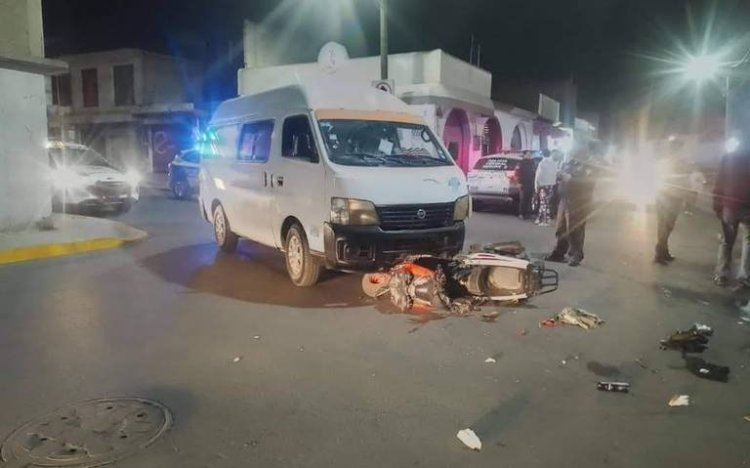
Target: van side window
(224, 141)
(255, 142)
(297, 140)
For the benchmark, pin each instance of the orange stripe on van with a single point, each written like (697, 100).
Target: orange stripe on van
(346, 114)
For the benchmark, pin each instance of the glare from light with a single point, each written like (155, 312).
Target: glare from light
(700, 68)
(133, 177)
(732, 144)
(65, 178)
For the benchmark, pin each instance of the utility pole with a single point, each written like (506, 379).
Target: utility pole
(383, 39)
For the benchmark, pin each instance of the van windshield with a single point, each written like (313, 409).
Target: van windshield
(376, 143)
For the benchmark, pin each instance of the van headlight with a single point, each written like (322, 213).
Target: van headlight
(353, 212)
(133, 177)
(462, 208)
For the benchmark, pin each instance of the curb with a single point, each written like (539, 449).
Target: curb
(37, 252)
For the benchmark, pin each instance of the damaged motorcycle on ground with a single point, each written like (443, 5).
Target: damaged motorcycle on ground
(500, 272)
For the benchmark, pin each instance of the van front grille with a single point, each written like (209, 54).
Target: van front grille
(407, 217)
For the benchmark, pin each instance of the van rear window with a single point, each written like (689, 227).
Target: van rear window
(496, 164)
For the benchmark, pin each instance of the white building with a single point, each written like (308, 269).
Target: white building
(135, 107)
(25, 191)
(453, 96)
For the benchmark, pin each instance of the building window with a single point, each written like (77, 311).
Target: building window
(124, 85)
(90, 87)
(61, 90)
(255, 142)
(297, 139)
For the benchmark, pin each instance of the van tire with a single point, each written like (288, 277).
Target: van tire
(225, 238)
(303, 268)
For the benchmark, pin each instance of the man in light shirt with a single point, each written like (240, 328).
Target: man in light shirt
(544, 183)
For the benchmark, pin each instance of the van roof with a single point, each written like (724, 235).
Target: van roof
(327, 94)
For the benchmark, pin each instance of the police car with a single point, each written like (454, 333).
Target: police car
(183, 174)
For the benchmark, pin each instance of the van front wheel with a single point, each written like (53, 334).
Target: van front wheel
(225, 238)
(302, 267)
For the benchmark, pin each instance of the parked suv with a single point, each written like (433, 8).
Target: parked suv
(494, 179)
(83, 178)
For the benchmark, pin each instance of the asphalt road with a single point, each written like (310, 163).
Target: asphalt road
(326, 378)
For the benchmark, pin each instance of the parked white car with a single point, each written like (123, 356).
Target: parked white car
(336, 176)
(83, 179)
(494, 179)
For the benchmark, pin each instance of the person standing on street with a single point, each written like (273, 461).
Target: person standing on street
(576, 188)
(526, 175)
(544, 182)
(696, 181)
(669, 203)
(731, 200)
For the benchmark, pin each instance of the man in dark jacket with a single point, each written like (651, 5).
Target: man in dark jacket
(576, 188)
(670, 201)
(526, 176)
(732, 206)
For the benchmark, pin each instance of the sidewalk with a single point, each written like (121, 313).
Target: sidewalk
(72, 234)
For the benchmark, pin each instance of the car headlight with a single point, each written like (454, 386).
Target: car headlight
(462, 208)
(65, 178)
(353, 212)
(133, 177)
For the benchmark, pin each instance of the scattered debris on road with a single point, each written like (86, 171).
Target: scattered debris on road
(237, 359)
(548, 323)
(617, 387)
(667, 292)
(642, 364)
(693, 340)
(256, 337)
(747, 418)
(680, 400)
(578, 317)
(706, 370)
(490, 360)
(470, 439)
(522, 332)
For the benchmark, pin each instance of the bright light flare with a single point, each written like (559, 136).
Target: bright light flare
(65, 178)
(700, 68)
(133, 177)
(732, 144)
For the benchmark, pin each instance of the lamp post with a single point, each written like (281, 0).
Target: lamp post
(383, 39)
(707, 67)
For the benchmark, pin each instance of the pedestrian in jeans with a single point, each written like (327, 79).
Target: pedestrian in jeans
(576, 189)
(544, 182)
(526, 173)
(732, 206)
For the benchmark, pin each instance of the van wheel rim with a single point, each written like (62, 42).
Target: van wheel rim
(180, 189)
(295, 255)
(220, 226)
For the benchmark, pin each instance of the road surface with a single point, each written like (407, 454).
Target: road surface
(259, 373)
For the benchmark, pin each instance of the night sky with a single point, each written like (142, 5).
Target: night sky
(600, 44)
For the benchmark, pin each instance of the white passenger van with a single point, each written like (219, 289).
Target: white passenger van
(335, 176)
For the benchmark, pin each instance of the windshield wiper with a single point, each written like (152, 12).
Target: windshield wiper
(419, 158)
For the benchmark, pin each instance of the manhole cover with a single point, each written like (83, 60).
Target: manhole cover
(92, 433)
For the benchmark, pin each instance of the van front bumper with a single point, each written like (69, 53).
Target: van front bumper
(369, 248)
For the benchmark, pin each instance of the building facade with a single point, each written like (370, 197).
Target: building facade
(25, 191)
(135, 107)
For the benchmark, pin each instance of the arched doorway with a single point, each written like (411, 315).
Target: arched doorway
(516, 142)
(456, 137)
(492, 137)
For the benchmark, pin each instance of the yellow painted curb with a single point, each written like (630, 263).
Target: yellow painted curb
(36, 252)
